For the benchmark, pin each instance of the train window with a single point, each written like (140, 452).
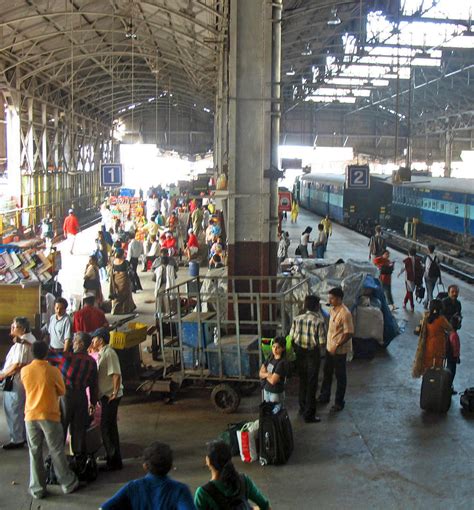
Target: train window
(441, 206)
(433, 205)
(456, 209)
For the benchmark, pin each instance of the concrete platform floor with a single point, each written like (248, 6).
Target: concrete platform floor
(382, 451)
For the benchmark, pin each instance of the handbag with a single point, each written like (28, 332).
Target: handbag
(7, 383)
(247, 437)
(419, 293)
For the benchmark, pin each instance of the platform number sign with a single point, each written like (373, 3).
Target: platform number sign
(358, 177)
(111, 174)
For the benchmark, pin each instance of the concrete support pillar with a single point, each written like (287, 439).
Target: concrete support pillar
(448, 146)
(253, 127)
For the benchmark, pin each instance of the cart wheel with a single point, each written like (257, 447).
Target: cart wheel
(263, 462)
(225, 398)
(248, 388)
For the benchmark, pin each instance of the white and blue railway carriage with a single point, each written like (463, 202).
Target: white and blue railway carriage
(440, 203)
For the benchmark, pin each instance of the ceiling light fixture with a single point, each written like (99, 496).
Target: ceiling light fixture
(334, 19)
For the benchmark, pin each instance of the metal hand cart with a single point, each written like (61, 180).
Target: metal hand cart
(210, 328)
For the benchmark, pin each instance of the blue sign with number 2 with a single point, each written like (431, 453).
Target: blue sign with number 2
(358, 176)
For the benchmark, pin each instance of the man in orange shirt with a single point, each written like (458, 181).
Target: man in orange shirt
(43, 386)
(71, 228)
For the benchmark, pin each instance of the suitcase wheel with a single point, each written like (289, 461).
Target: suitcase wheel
(263, 462)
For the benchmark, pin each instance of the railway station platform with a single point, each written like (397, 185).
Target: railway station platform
(381, 451)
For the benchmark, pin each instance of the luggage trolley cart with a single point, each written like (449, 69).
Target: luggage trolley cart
(210, 329)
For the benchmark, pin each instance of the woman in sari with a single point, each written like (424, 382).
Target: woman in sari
(92, 280)
(431, 351)
(120, 285)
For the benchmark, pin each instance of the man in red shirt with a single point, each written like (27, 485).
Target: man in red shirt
(89, 317)
(71, 228)
(192, 245)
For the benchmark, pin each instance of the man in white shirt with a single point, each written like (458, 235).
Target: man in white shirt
(59, 328)
(110, 394)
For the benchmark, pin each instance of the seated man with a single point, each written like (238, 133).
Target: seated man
(156, 489)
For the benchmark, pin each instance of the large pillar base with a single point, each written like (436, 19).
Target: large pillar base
(252, 258)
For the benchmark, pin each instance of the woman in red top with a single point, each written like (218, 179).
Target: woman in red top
(385, 266)
(413, 269)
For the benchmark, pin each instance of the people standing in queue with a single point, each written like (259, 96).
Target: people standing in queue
(295, 210)
(71, 228)
(44, 385)
(274, 371)
(304, 241)
(110, 394)
(18, 356)
(413, 269)
(385, 267)
(308, 333)
(339, 345)
(59, 328)
(155, 489)
(226, 483)
(431, 275)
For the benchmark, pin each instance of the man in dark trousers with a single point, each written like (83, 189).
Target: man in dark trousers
(308, 332)
(79, 371)
(339, 344)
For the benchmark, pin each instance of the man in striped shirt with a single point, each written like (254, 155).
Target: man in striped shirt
(308, 333)
(79, 371)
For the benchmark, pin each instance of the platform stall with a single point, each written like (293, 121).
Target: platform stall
(213, 338)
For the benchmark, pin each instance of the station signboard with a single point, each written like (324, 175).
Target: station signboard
(111, 174)
(358, 177)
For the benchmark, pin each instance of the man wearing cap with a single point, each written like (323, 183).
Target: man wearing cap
(71, 228)
(110, 394)
(89, 317)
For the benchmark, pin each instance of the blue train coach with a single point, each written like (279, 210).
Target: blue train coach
(440, 204)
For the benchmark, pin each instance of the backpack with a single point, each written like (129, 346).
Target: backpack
(434, 271)
(238, 502)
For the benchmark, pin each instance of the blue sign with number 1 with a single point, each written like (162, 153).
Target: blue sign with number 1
(358, 177)
(111, 174)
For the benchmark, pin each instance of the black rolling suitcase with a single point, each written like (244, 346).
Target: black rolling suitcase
(436, 390)
(275, 434)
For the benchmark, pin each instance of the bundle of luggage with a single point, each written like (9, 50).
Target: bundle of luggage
(268, 440)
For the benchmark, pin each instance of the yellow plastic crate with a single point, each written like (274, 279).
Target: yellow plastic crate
(133, 335)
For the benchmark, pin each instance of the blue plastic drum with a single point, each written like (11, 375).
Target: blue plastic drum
(193, 268)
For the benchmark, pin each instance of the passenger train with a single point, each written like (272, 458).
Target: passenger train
(441, 206)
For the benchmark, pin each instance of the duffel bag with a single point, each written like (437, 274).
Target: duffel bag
(467, 400)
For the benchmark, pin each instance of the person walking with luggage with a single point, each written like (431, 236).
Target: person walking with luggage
(110, 394)
(377, 243)
(308, 333)
(413, 269)
(432, 274)
(304, 241)
(385, 267)
(79, 371)
(155, 489)
(227, 488)
(43, 386)
(339, 345)
(431, 350)
(274, 371)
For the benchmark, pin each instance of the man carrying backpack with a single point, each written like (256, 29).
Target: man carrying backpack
(377, 243)
(432, 274)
